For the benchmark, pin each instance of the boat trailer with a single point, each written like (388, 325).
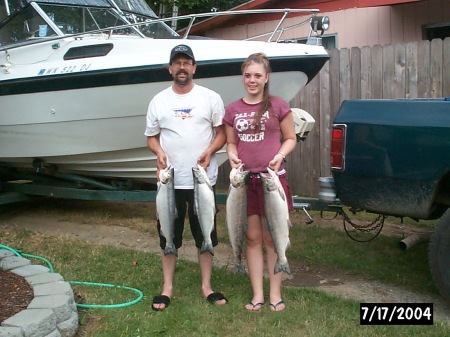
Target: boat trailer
(17, 186)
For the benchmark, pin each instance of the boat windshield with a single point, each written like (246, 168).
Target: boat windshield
(45, 18)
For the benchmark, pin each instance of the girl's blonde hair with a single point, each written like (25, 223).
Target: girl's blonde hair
(260, 58)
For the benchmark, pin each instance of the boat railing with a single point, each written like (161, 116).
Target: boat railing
(277, 30)
(273, 35)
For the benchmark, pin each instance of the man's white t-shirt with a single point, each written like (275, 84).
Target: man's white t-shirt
(186, 127)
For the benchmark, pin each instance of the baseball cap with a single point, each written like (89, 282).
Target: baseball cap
(181, 49)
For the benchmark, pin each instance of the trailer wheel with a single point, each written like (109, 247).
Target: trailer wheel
(439, 255)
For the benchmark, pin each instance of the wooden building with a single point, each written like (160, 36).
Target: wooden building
(378, 49)
(354, 23)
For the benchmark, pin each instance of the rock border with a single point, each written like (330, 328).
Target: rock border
(51, 313)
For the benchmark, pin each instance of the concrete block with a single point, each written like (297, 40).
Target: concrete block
(44, 278)
(5, 253)
(13, 262)
(30, 270)
(60, 304)
(54, 333)
(34, 322)
(11, 332)
(53, 311)
(70, 327)
(53, 288)
(74, 306)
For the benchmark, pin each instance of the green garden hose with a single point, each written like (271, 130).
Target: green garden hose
(118, 305)
(79, 305)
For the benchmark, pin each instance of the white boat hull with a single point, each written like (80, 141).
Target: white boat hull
(86, 115)
(98, 132)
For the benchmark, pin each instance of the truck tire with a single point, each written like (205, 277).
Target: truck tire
(439, 255)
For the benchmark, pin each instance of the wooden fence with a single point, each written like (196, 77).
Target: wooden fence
(412, 70)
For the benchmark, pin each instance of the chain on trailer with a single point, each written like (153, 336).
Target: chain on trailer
(374, 226)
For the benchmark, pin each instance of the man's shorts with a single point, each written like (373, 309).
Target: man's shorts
(184, 202)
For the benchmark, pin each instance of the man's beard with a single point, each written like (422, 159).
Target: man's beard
(184, 81)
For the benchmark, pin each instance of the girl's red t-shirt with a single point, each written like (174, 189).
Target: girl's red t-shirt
(256, 147)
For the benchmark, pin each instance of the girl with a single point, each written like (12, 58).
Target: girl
(254, 125)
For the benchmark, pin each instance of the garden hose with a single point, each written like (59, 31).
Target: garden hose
(118, 305)
(79, 305)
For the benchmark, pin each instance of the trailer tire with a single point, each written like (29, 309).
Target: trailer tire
(439, 255)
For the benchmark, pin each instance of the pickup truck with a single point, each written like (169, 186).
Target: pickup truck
(392, 157)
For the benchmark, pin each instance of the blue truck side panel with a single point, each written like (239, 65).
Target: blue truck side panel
(396, 154)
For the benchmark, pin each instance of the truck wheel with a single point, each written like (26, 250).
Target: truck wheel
(439, 255)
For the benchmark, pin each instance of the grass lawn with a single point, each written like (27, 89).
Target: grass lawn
(309, 312)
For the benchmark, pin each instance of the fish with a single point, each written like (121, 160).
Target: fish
(277, 218)
(166, 209)
(236, 213)
(204, 206)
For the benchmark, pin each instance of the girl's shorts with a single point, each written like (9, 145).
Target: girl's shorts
(255, 194)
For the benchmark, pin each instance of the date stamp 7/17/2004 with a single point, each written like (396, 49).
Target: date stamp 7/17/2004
(396, 313)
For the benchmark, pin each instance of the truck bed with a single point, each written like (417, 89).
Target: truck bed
(397, 156)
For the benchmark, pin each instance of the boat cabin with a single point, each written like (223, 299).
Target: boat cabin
(27, 20)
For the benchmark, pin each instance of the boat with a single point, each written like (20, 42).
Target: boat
(76, 78)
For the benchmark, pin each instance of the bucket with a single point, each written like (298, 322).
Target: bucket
(327, 192)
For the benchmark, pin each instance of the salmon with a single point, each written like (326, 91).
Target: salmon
(166, 209)
(236, 210)
(277, 218)
(204, 206)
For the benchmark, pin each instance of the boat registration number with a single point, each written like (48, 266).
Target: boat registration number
(65, 70)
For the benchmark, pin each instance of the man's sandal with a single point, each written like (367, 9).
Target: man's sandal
(213, 298)
(161, 299)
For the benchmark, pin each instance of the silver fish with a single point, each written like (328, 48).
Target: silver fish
(277, 217)
(204, 206)
(165, 208)
(236, 210)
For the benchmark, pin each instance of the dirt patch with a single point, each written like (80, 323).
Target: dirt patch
(329, 280)
(15, 294)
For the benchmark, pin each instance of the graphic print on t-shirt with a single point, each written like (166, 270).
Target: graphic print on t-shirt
(246, 128)
(183, 112)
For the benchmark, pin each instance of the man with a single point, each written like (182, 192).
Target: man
(184, 128)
